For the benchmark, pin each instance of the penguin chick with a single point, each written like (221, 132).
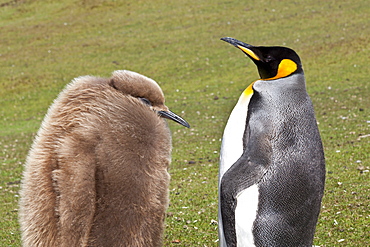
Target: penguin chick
(272, 167)
(96, 174)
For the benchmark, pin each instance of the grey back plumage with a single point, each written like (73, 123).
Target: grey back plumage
(297, 167)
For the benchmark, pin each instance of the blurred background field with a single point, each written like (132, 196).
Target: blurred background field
(45, 44)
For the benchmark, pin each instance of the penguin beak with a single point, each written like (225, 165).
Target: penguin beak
(174, 117)
(246, 48)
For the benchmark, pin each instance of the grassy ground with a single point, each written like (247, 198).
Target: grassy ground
(43, 45)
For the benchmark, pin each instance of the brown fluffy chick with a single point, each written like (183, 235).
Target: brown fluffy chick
(96, 174)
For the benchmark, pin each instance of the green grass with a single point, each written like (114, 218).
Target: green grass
(44, 45)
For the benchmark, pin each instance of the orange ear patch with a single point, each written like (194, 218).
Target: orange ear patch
(286, 67)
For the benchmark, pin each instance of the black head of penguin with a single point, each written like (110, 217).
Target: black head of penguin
(272, 62)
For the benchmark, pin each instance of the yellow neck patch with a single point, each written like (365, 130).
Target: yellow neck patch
(246, 95)
(249, 90)
(286, 67)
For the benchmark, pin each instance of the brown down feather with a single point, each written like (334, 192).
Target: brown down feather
(96, 174)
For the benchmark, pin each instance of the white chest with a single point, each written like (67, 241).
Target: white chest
(232, 140)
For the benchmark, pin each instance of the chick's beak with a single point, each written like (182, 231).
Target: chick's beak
(174, 117)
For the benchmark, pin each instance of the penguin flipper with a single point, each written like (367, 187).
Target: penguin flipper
(242, 175)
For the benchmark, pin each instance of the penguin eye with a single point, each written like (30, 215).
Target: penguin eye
(146, 101)
(269, 59)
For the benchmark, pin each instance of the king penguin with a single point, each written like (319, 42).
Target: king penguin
(272, 166)
(97, 172)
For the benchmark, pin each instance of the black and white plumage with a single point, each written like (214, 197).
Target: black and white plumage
(272, 167)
